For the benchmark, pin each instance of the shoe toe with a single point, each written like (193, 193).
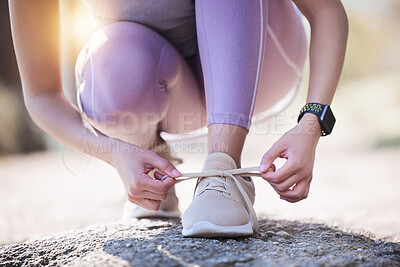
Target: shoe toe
(215, 208)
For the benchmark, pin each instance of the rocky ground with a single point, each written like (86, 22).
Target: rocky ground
(160, 243)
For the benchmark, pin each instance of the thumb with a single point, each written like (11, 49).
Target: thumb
(163, 165)
(269, 157)
(168, 182)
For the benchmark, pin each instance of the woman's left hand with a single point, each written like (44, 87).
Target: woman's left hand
(292, 181)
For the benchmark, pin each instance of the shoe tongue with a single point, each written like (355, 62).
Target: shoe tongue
(219, 161)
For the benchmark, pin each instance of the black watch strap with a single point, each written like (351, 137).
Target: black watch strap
(323, 112)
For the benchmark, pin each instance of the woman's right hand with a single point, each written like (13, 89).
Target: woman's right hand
(36, 31)
(133, 165)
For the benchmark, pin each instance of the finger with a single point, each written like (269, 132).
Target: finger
(145, 203)
(273, 167)
(167, 180)
(159, 176)
(162, 164)
(305, 195)
(145, 183)
(151, 195)
(288, 183)
(281, 174)
(153, 204)
(168, 183)
(269, 157)
(290, 200)
(297, 192)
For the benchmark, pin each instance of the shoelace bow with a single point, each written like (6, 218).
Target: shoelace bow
(250, 171)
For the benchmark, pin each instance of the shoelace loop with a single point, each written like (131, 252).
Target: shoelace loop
(250, 171)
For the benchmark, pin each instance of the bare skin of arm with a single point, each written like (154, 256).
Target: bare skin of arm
(329, 31)
(36, 33)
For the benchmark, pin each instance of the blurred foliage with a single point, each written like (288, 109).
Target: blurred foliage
(17, 132)
(387, 143)
(374, 39)
(370, 82)
(8, 65)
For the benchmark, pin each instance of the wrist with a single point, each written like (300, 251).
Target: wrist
(120, 150)
(117, 151)
(112, 151)
(310, 125)
(324, 115)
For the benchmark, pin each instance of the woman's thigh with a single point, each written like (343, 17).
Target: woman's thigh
(133, 81)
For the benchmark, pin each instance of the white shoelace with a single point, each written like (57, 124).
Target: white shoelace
(233, 173)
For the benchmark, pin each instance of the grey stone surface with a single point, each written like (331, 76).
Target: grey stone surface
(160, 243)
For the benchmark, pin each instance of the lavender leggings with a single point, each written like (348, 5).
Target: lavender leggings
(250, 56)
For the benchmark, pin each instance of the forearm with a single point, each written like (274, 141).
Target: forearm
(329, 31)
(36, 34)
(56, 116)
(327, 51)
(328, 45)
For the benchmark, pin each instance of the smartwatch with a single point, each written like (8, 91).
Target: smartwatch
(324, 114)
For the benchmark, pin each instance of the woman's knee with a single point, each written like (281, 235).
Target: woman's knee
(124, 76)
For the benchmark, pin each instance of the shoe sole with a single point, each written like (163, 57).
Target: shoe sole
(142, 213)
(208, 229)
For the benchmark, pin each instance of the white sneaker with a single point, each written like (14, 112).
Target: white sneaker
(169, 207)
(218, 208)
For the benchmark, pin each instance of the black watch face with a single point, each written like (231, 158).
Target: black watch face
(327, 119)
